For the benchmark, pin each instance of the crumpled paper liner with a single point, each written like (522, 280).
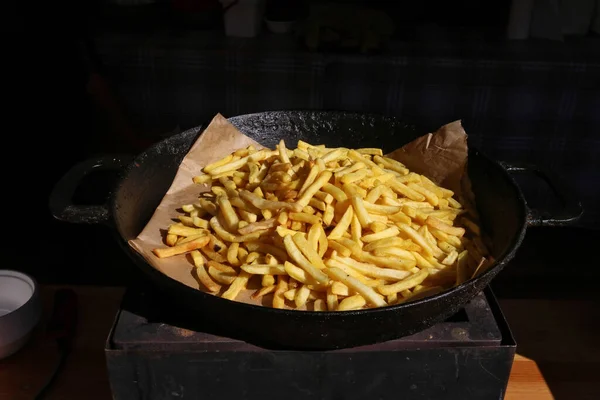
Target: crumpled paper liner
(441, 156)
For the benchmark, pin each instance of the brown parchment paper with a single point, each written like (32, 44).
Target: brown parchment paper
(441, 156)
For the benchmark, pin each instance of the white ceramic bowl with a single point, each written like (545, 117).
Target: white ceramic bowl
(20, 310)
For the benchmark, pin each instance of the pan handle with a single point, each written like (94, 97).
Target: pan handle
(61, 197)
(572, 208)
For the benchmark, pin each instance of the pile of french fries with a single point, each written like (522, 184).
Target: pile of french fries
(324, 229)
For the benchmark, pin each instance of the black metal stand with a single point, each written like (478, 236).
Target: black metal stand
(467, 357)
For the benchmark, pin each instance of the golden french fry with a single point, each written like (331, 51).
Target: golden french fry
(302, 262)
(449, 229)
(213, 255)
(371, 270)
(236, 286)
(392, 231)
(323, 243)
(324, 197)
(263, 291)
(337, 193)
(417, 238)
(386, 262)
(267, 280)
(263, 269)
(405, 284)
(303, 217)
(258, 226)
(332, 300)
(202, 179)
(266, 248)
(371, 151)
(340, 289)
(232, 254)
(342, 225)
(171, 239)
(310, 178)
(314, 187)
(280, 289)
(356, 230)
(220, 276)
(229, 215)
(391, 164)
(319, 305)
(386, 242)
(218, 163)
(263, 204)
(199, 262)
(221, 267)
(352, 303)
(181, 230)
(365, 291)
(301, 296)
(454, 203)
(450, 258)
(181, 248)
(424, 292)
(234, 165)
(361, 213)
(394, 252)
(430, 196)
(313, 236)
(229, 237)
(296, 272)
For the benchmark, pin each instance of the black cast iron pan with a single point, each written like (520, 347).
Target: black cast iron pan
(145, 178)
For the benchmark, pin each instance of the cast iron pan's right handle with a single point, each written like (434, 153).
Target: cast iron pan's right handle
(572, 209)
(61, 197)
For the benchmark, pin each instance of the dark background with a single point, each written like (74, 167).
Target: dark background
(85, 78)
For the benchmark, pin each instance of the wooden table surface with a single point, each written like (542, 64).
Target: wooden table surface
(540, 328)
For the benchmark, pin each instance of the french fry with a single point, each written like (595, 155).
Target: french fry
(220, 276)
(267, 280)
(301, 296)
(451, 230)
(319, 305)
(181, 230)
(258, 226)
(181, 248)
(303, 217)
(352, 303)
(339, 289)
(405, 284)
(342, 225)
(392, 231)
(221, 267)
(393, 251)
(229, 237)
(323, 243)
(171, 239)
(301, 261)
(263, 291)
(366, 292)
(263, 204)
(236, 286)
(372, 270)
(263, 269)
(199, 262)
(280, 289)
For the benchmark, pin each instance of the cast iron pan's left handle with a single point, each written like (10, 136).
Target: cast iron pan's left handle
(61, 197)
(571, 207)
